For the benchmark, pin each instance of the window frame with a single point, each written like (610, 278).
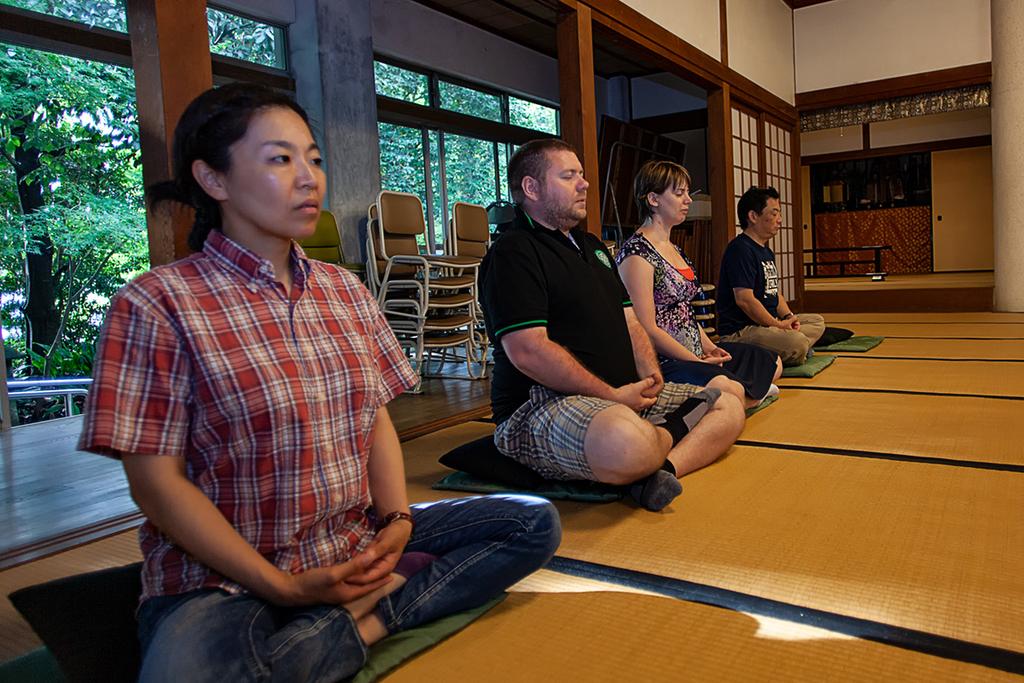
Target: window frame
(434, 80)
(433, 118)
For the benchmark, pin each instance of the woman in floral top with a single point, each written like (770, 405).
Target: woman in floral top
(662, 283)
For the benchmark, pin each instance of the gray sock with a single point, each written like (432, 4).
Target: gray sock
(680, 421)
(656, 491)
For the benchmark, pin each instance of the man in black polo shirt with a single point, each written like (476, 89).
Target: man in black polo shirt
(576, 389)
(751, 307)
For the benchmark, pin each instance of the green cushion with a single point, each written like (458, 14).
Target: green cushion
(762, 405)
(811, 367)
(586, 491)
(393, 650)
(37, 665)
(857, 344)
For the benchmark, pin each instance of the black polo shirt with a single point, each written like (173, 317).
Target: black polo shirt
(536, 277)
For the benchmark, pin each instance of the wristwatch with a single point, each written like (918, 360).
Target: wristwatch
(787, 316)
(394, 517)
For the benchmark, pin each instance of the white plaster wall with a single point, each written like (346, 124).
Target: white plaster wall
(948, 126)
(830, 140)
(760, 36)
(854, 41)
(406, 30)
(695, 21)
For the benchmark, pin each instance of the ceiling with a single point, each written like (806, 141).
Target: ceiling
(531, 23)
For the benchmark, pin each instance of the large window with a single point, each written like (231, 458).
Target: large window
(72, 223)
(74, 228)
(108, 14)
(442, 166)
(231, 35)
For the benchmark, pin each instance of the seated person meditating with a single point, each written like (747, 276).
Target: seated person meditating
(243, 388)
(577, 391)
(751, 307)
(661, 282)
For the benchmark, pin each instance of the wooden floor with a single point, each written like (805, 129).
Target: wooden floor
(54, 497)
(967, 291)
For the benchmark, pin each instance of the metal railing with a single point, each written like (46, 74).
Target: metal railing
(41, 387)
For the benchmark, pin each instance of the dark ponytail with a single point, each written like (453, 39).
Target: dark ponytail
(209, 126)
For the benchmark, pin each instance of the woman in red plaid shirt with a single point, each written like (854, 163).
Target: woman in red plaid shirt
(244, 389)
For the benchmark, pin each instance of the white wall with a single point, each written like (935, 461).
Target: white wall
(947, 126)
(761, 44)
(854, 41)
(695, 21)
(406, 30)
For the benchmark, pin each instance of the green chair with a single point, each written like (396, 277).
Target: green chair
(325, 244)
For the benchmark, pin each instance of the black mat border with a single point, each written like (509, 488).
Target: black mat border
(905, 392)
(926, 322)
(894, 336)
(879, 455)
(864, 355)
(865, 629)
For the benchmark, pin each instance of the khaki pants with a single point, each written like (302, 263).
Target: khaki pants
(791, 345)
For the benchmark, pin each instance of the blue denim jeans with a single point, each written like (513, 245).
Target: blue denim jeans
(483, 545)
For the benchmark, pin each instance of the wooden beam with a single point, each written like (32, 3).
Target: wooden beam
(402, 113)
(578, 106)
(796, 183)
(664, 47)
(43, 32)
(900, 86)
(723, 31)
(720, 175)
(896, 150)
(171, 58)
(798, 4)
(673, 123)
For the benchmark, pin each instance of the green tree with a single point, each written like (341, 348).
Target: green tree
(73, 227)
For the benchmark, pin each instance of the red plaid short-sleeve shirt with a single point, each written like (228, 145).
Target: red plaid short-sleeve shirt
(270, 400)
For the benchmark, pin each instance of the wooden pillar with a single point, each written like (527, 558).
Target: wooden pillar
(578, 107)
(798, 214)
(720, 175)
(171, 58)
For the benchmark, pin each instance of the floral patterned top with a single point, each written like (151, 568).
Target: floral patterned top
(673, 292)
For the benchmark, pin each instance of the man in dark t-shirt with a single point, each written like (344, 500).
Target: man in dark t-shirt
(576, 388)
(751, 307)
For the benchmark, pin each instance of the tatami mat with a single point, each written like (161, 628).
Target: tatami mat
(956, 428)
(618, 637)
(979, 349)
(979, 330)
(850, 536)
(975, 378)
(853, 536)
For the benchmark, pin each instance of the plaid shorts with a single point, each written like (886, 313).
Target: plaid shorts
(547, 432)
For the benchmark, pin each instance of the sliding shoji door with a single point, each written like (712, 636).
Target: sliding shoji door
(778, 168)
(762, 154)
(746, 158)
